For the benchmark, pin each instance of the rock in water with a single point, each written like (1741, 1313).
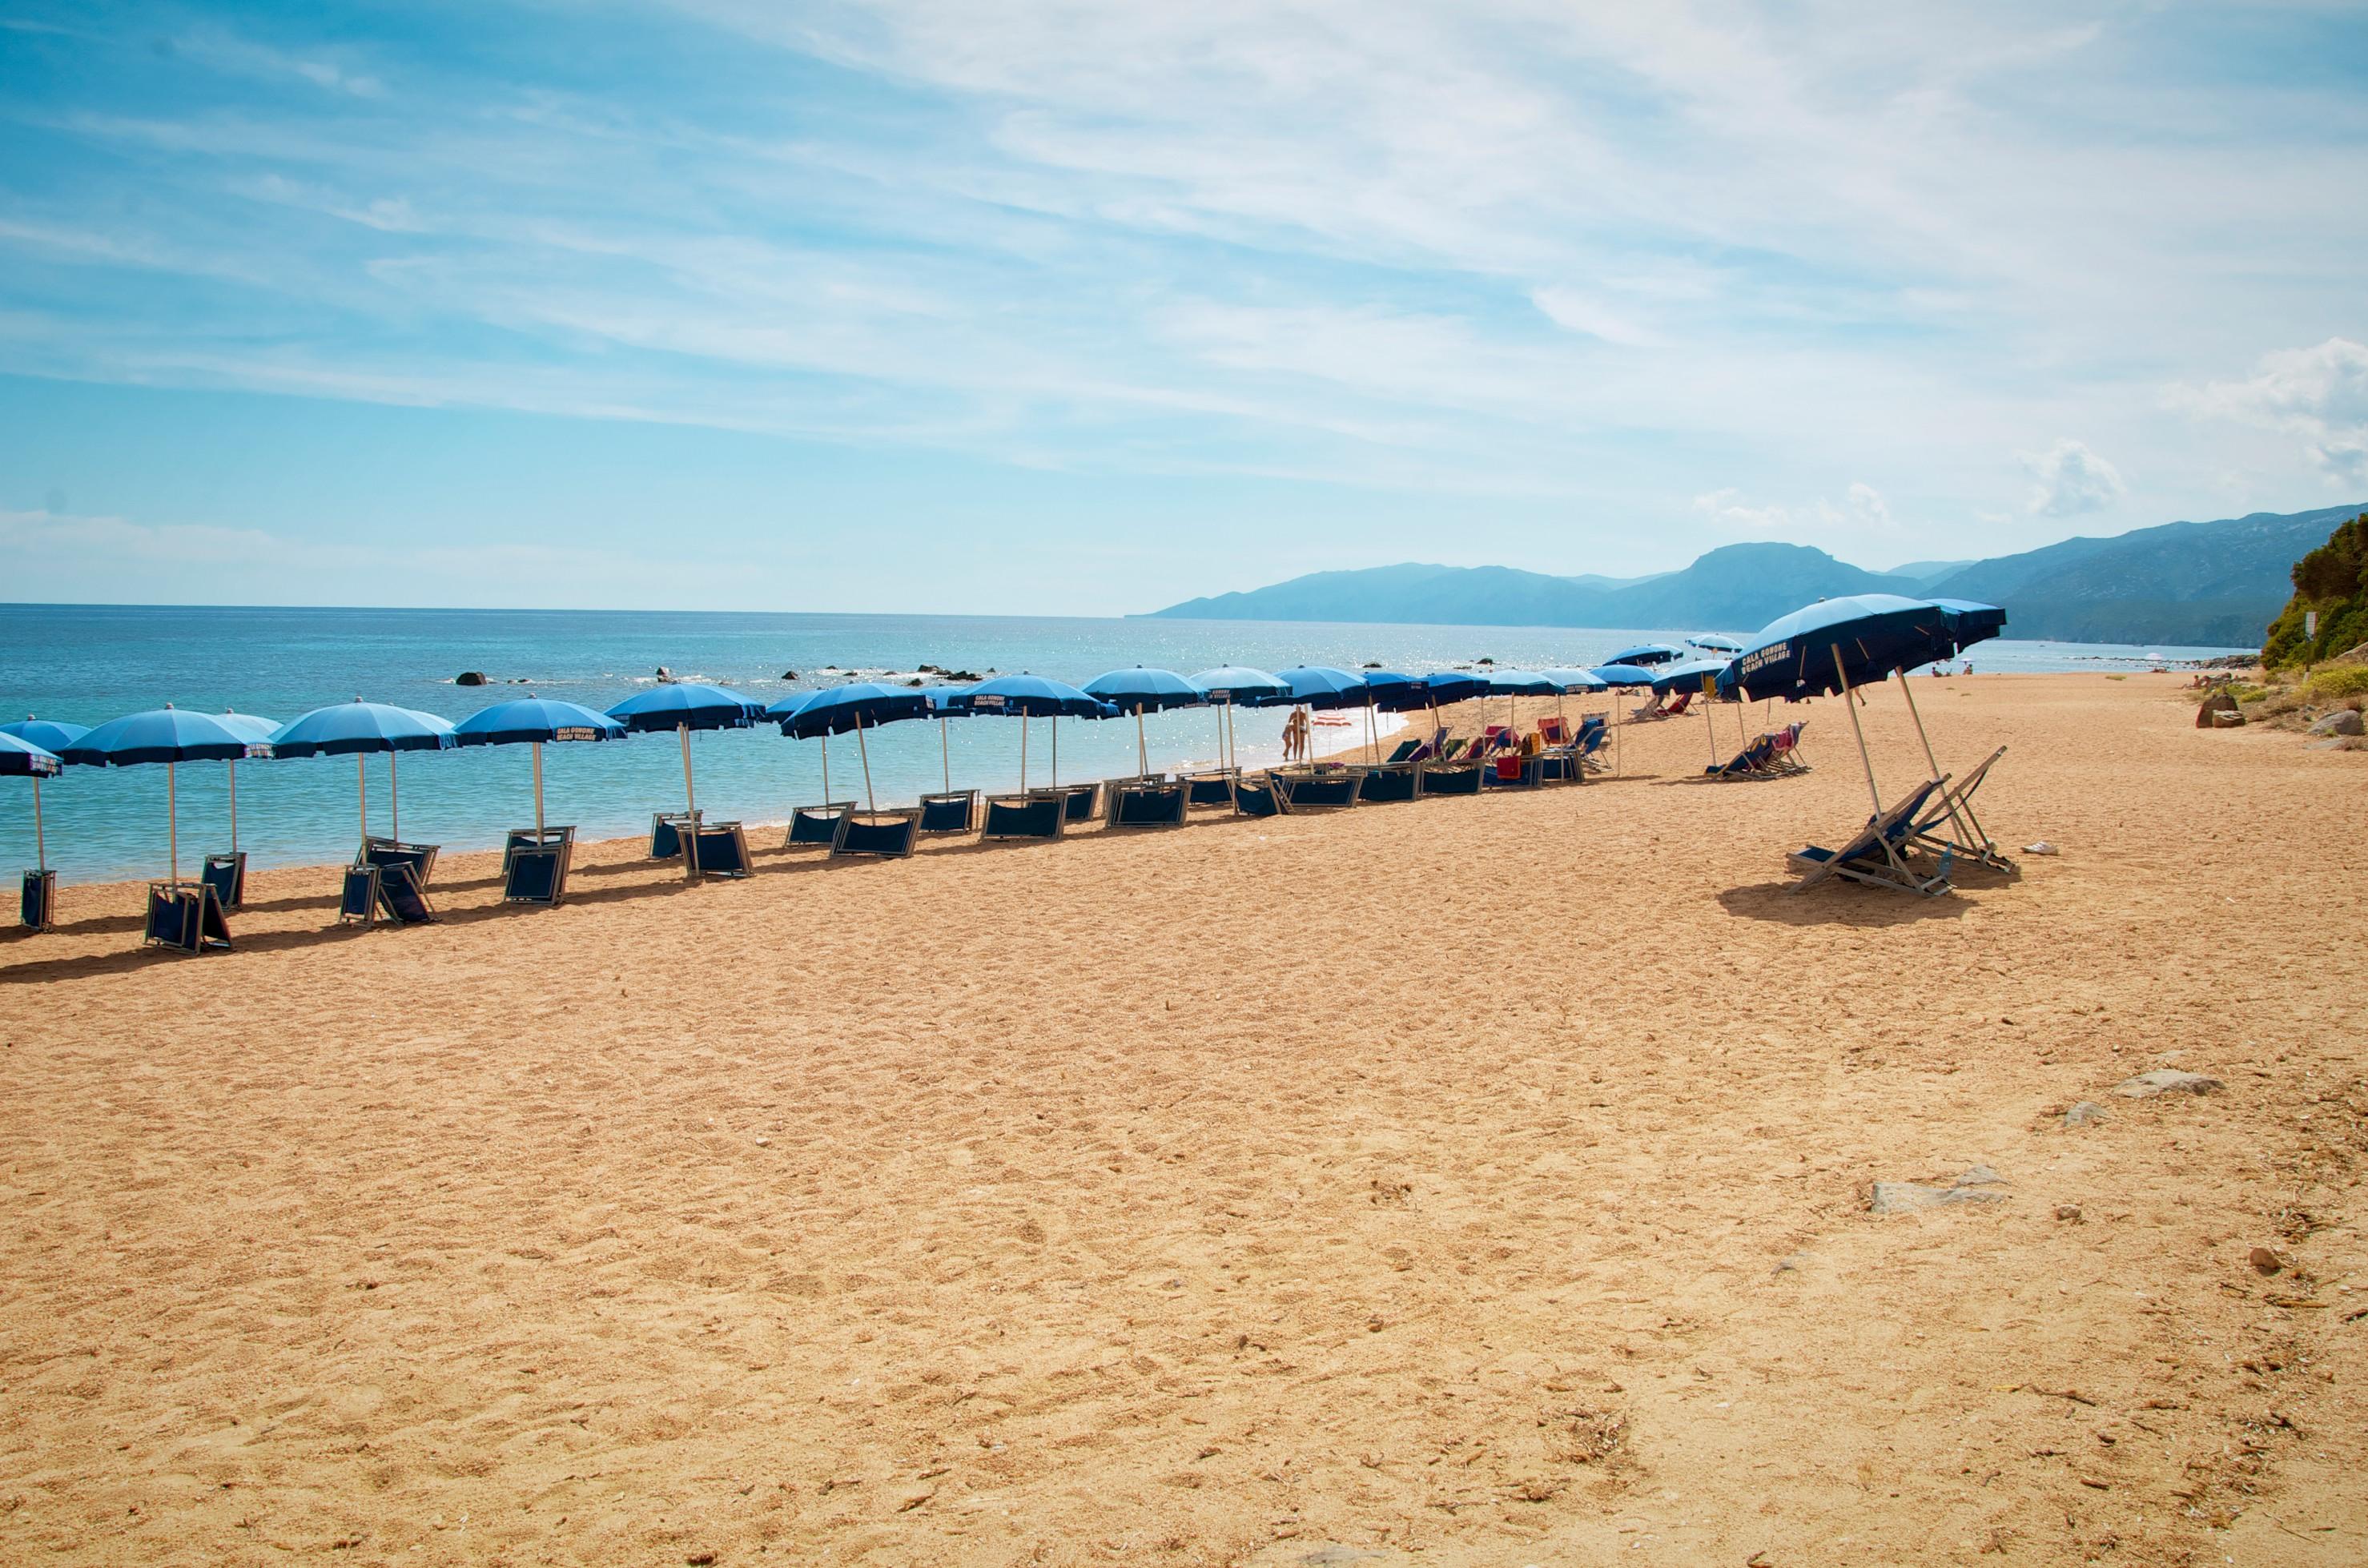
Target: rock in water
(469, 678)
(2165, 1081)
(2345, 722)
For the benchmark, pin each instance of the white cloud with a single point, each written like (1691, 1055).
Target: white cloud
(1581, 313)
(2072, 480)
(2319, 394)
(1868, 509)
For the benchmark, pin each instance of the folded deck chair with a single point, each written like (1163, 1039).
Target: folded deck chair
(1513, 771)
(1591, 742)
(1024, 816)
(889, 835)
(187, 918)
(1146, 803)
(1953, 813)
(1210, 789)
(1651, 710)
(537, 873)
(37, 901)
(1404, 752)
(1878, 855)
(1080, 802)
(1328, 786)
(562, 838)
(420, 857)
(400, 896)
(817, 827)
(950, 810)
(1452, 748)
(1450, 778)
(1390, 782)
(666, 834)
(226, 874)
(721, 849)
(357, 898)
(1260, 797)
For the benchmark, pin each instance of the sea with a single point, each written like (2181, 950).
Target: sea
(87, 664)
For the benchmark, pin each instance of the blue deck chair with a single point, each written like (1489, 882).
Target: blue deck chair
(537, 874)
(890, 834)
(1953, 811)
(1215, 789)
(187, 918)
(817, 827)
(400, 896)
(1451, 778)
(226, 874)
(1513, 771)
(1260, 797)
(528, 838)
(1390, 782)
(1141, 802)
(1404, 752)
(950, 810)
(357, 898)
(36, 901)
(1878, 855)
(1325, 786)
(1024, 816)
(722, 849)
(420, 857)
(666, 834)
(1079, 802)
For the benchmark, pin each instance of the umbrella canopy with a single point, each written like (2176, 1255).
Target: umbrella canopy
(1624, 675)
(1971, 622)
(1034, 697)
(535, 720)
(1569, 680)
(23, 759)
(255, 728)
(1717, 641)
(674, 705)
(1238, 683)
(1522, 683)
(1148, 691)
(49, 734)
(346, 728)
(1688, 676)
(1318, 686)
(1647, 654)
(1393, 692)
(834, 709)
(1454, 686)
(1870, 635)
(164, 735)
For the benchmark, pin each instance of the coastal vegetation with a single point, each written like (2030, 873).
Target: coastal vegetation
(2331, 580)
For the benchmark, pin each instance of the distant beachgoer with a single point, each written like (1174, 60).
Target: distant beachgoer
(664, 674)
(1969, 668)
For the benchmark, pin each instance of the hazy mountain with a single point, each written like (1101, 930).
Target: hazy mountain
(2183, 583)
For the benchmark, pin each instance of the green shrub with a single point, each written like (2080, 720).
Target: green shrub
(2335, 681)
(2332, 580)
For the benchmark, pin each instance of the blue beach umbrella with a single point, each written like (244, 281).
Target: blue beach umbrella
(1390, 691)
(172, 737)
(258, 731)
(358, 729)
(1144, 691)
(49, 736)
(1228, 684)
(1971, 622)
(535, 722)
(1688, 676)
(1647, 654)
(1717, 641)
(682, 707)
(858, 705)
(23, 759)
(1314, 686)
(1623, 674)
(1034, 697)
(1454, 686)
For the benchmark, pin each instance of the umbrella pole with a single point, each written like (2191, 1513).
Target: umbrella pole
(1710, 722)
(945, 755)
(1619, 729)
(1908, 689)
(1057, 751)
(172, 825)
(40, 846)
(689, 801)
(1142, 751)
(1864, 761)
(393, 803)
(826, 767)
(865, 753)
(1023, 751)
(538, 791)
(361, 798)
(233, 806)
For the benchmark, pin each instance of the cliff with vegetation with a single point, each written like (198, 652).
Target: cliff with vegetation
(2332, 580)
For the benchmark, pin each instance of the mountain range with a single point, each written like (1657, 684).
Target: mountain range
(2217, 584)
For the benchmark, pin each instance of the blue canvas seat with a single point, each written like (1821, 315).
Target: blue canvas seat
(533, 838)
(1146, 803)
(1953, 811)
(666, 834)
(226, 874)
(1260, 796)
(1213, 788)
(36, 901)
(187, 918)
(357, 896)
(1513, 771)
(420, 857)
(950, 810)
(721, 849)
(1078, 801)
(400, 896)
(1391, 781)
(817, 827)
(1323, 786)
(1451, 778)
(1024, 816)
(1878, 854)
(537, 874)
(890, 834)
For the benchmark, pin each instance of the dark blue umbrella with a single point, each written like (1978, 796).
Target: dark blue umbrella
(1688, 676)
(49, 734)
(1318, 686)
(1453, 685)
(683, 706)
(1623, 674)
(1569, 680)
(23, 759)
(1510, 683)
(1970, 623)
(1835, 644)
(858, 705)
(1034, 697)
(357, 729)
(1230, 684)
(1717, 641)
(1392, 692)
(535, 722)
(170, 735)
(1647, 654)
(1144, 691)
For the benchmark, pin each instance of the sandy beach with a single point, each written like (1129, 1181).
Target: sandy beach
(1469, 1181)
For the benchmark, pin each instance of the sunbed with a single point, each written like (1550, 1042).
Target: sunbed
(1513, 771)
(1079, 801)
(817, 827)
(186, 916)
(1211, 788)
(721, 849)
(1032, 815)
(1260, 796)
(1953, 809)
(36, 901)
(534, 869)
(950, 810)
(1327, 786)
(420, 857)
(226, 874)
(1146, 803)
(1450, 778)
(1878, 856)
(666, 834)
(1391, 781)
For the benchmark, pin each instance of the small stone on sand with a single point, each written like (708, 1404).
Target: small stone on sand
(2165, 1081)
(2084, 1112)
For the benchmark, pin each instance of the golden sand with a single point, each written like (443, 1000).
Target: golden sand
(1466, 1181)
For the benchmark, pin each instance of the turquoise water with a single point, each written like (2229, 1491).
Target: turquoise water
(87, 664)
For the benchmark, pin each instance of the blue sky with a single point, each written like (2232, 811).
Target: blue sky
(1064, 308)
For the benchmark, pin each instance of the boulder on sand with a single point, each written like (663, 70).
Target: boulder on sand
(2344, 722)
(2207, 710)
